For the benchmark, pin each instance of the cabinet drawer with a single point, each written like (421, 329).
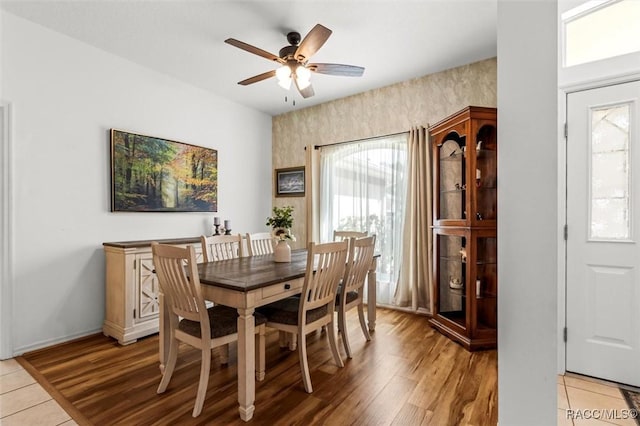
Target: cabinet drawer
(292, 287)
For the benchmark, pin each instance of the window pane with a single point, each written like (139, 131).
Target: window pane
(610, 173)
(605, 32)
(363, 188)
(609, 219)
(610, 127)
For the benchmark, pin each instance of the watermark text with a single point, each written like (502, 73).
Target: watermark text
(601, 413)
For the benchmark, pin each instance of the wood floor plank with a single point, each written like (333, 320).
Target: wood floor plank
(408, 374)
(411, 415)
(388, 403)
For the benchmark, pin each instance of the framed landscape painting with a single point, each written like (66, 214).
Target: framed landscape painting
(150, 174)
(290, 182)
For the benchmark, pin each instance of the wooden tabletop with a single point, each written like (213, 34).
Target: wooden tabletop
(249, 273)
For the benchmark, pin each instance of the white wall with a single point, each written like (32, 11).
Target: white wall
(527, 229)
(65, 96)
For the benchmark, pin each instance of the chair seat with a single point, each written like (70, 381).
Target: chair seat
(351, 296)
(286, 311)
(223, 319)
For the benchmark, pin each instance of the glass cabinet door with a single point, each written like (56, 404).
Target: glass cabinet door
(452, 280)
(486, 286)
(452, 190)
(486, 174)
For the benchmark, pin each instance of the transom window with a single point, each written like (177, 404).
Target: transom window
(599, 30)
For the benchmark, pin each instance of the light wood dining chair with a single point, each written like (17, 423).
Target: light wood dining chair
(345, 235)
(351, 289)
(315, 306)
(221, 247)
(260, 243)
(191, 322)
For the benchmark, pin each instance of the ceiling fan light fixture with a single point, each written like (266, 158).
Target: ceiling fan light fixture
(294, 61)
(283, 74)
(285, 83)
(303, 75)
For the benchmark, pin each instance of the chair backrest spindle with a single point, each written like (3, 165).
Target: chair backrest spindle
(221, 247)
(345, 235)
(179, 281)
(260, 243)
(320, 285)
(361, 252)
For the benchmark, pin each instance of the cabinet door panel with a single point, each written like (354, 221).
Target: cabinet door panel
(147, 291)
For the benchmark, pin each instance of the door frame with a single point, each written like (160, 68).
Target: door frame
(6, 235)
(563, 94)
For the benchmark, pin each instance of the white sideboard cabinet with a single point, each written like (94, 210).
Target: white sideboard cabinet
(131, 286)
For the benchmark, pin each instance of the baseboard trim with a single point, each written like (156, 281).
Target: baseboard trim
(53, 342)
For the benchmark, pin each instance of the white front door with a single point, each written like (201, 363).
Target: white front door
(603, 218)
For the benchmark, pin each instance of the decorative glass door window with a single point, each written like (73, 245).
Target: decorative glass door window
(610, 172)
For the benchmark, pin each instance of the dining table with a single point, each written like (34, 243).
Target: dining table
(246, 283)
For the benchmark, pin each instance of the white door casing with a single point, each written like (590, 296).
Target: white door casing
(6, 281)
(603, 212)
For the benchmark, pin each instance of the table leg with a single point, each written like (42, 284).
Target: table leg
(164, 331)
(246, 363)
(371, 295)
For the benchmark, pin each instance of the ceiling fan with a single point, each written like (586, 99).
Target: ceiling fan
(295, 61)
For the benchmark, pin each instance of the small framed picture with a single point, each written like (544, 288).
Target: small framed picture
(290, 182)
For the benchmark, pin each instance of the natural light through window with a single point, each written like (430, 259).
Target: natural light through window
(601, 29)
(610, 173)
(363, 189)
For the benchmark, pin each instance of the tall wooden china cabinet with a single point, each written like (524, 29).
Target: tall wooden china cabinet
(465, 148)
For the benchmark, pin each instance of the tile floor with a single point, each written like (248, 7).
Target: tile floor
(584, 397)
(24, 402)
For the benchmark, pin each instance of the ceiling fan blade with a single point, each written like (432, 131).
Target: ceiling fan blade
(337, 69)
(257, 78)
(312, 42)
(255, 50)
(307, 92)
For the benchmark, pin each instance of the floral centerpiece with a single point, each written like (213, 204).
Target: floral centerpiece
(281, 223)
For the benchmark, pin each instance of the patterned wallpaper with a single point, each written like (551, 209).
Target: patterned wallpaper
(392, 109)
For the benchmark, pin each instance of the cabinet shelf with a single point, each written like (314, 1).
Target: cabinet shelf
(452, 259)
(465, 223)
(453, 157)
(458, 292)
(486, 153)
(457, 317)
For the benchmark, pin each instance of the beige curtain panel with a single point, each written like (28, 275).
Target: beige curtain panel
(414, 288)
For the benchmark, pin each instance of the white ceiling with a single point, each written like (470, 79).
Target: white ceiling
(394, 40)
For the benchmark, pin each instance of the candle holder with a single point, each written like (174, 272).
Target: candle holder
(217, 231)
(227, 231)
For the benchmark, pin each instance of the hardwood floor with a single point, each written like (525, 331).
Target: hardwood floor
(409, 374)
